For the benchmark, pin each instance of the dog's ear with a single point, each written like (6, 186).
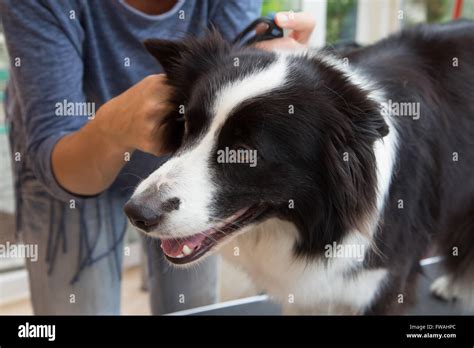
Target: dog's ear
(185, 61)
(366, 118)
(168, 53)
(353, 102)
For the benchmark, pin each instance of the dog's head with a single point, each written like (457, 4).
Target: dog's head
(255, 135)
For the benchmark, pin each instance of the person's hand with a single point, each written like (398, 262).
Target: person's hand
(87, 161)
(132, 119)
(301, 25)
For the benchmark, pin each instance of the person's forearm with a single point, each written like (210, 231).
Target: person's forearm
(85, 162)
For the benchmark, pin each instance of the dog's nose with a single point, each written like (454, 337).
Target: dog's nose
(146, 210)
(141, 216)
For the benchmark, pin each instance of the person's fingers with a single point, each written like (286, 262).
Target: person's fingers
(302, 24)
(299, 21)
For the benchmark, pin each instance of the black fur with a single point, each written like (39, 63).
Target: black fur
(301, 155)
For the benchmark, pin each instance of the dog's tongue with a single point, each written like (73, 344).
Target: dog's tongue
(174, 247)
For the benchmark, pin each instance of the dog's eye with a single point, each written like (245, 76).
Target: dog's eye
(242, 146)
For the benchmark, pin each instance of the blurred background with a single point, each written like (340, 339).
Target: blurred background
(363, 21)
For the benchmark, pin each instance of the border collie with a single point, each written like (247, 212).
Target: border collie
(362, 158)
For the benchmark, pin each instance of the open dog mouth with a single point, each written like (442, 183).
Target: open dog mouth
(184, 250)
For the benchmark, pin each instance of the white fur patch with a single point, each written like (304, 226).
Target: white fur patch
(443, 288)
(460, 289)
(266, 254)
(258, 83)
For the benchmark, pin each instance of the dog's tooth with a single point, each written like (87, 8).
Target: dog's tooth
(179, 256)
(186, 250)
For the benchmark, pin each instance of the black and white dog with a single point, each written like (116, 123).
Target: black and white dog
(358, 161)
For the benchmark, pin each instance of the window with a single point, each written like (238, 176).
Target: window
(341, 20)
(434, 11)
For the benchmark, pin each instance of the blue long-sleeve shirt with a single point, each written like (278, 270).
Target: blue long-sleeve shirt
(79, 51)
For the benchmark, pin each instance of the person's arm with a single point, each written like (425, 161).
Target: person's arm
(87, 161)
(70, 155)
